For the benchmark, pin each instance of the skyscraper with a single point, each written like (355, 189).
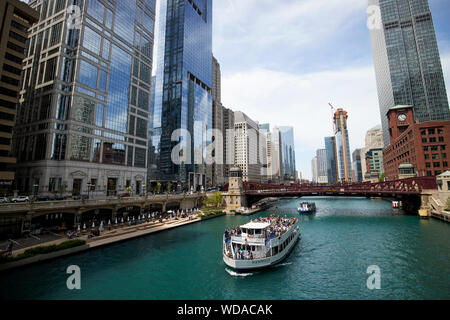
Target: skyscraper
(249, 148)
(322, 175)
(314, 170)
(288, 153)
(373, 140)
(183, 92)
(357, 169)
(342, 145)
(331, 153)
(407, 63)
(82, 122)
(15, 20)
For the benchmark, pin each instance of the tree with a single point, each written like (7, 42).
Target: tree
(158, 187)
(382, 176)
(169, 187)
(129, 190)
(215, 200)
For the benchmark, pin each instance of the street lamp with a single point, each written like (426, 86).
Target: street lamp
(89, 185)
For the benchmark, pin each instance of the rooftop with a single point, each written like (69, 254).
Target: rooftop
(255, 225)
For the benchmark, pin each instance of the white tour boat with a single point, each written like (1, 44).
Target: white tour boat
(260, 243)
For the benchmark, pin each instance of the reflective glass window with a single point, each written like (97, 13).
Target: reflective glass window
(91, 40)
(96, 9)
(88, 74)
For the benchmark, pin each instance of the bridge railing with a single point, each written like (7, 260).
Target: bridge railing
(409, 185)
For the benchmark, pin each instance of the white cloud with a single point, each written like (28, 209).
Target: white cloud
(258, 24)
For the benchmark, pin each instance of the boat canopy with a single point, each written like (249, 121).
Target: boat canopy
(255, 225)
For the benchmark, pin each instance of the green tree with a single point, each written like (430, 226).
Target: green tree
(129, 190)
(382, 176)
(158, 187)
(215, 200)
(169, 187)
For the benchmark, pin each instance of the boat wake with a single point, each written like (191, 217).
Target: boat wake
(281, 264)
(237, 274)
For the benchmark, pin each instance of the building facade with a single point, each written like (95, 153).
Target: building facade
(322, 174)
(373, 140)
(374, 165)
(407, 62)
(82, 123)
(249, 149)
(16, 19)
(331, 154)
(342, 146)
(356, 166)
(424, 146)
(288, 153)
(183, 94)
(314, 170)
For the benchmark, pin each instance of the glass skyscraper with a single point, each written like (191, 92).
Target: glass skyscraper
(288, 152)
(330, 147)
(183, 97)
(407, 63)
(82, 123)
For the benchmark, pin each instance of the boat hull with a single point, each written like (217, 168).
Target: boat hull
(247, 265)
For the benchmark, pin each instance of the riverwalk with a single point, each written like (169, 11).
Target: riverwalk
(107, 237)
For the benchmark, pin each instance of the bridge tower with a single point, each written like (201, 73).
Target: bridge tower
(235, 197)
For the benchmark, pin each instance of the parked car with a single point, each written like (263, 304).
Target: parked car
(59, 197)
(3, 200)
(42, 198)
(20, 199)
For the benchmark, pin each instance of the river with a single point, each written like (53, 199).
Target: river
(330, 261)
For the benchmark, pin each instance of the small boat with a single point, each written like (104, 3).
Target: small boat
(260, 243)
(307, 207)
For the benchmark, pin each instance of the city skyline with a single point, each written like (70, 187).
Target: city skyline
(277, 76)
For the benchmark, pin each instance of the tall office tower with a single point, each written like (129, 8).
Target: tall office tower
(82, 123)
(228, 143)
(407, 63)
(357, 169)
(288, 153)
(15, 19)
(342, 145)
(276, 165)
(249, 148)
(322, 175)
(314, 169)
(373, 140)
(183, 92)
(332, 164)
(216, 81)
(215, 171)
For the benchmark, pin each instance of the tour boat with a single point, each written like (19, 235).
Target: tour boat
(307, 207)
(260, 243)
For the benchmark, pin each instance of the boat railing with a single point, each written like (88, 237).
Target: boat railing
(248, 239)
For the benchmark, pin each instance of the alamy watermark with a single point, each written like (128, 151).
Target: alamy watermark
(74, 280)
(74, 17)
(374, 21)
(374, 280)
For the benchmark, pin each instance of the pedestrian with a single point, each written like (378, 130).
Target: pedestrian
(10, 247)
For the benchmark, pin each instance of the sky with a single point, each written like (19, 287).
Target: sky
(283, 61)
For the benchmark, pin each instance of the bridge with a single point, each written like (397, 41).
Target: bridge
(415, 193)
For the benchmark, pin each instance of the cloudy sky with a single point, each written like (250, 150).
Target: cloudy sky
(283, 61)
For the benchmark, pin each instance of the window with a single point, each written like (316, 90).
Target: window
(435, 156)
(433, 139)
(428, 165)
(431, 131)
(434, 148)
(441, 139)
(423, 132)
(17, 37)
(440, 131)
(445, 164)
(424, 140)
(436, 164)
(427, 156)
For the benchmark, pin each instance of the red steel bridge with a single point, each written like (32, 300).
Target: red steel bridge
(412, 189)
